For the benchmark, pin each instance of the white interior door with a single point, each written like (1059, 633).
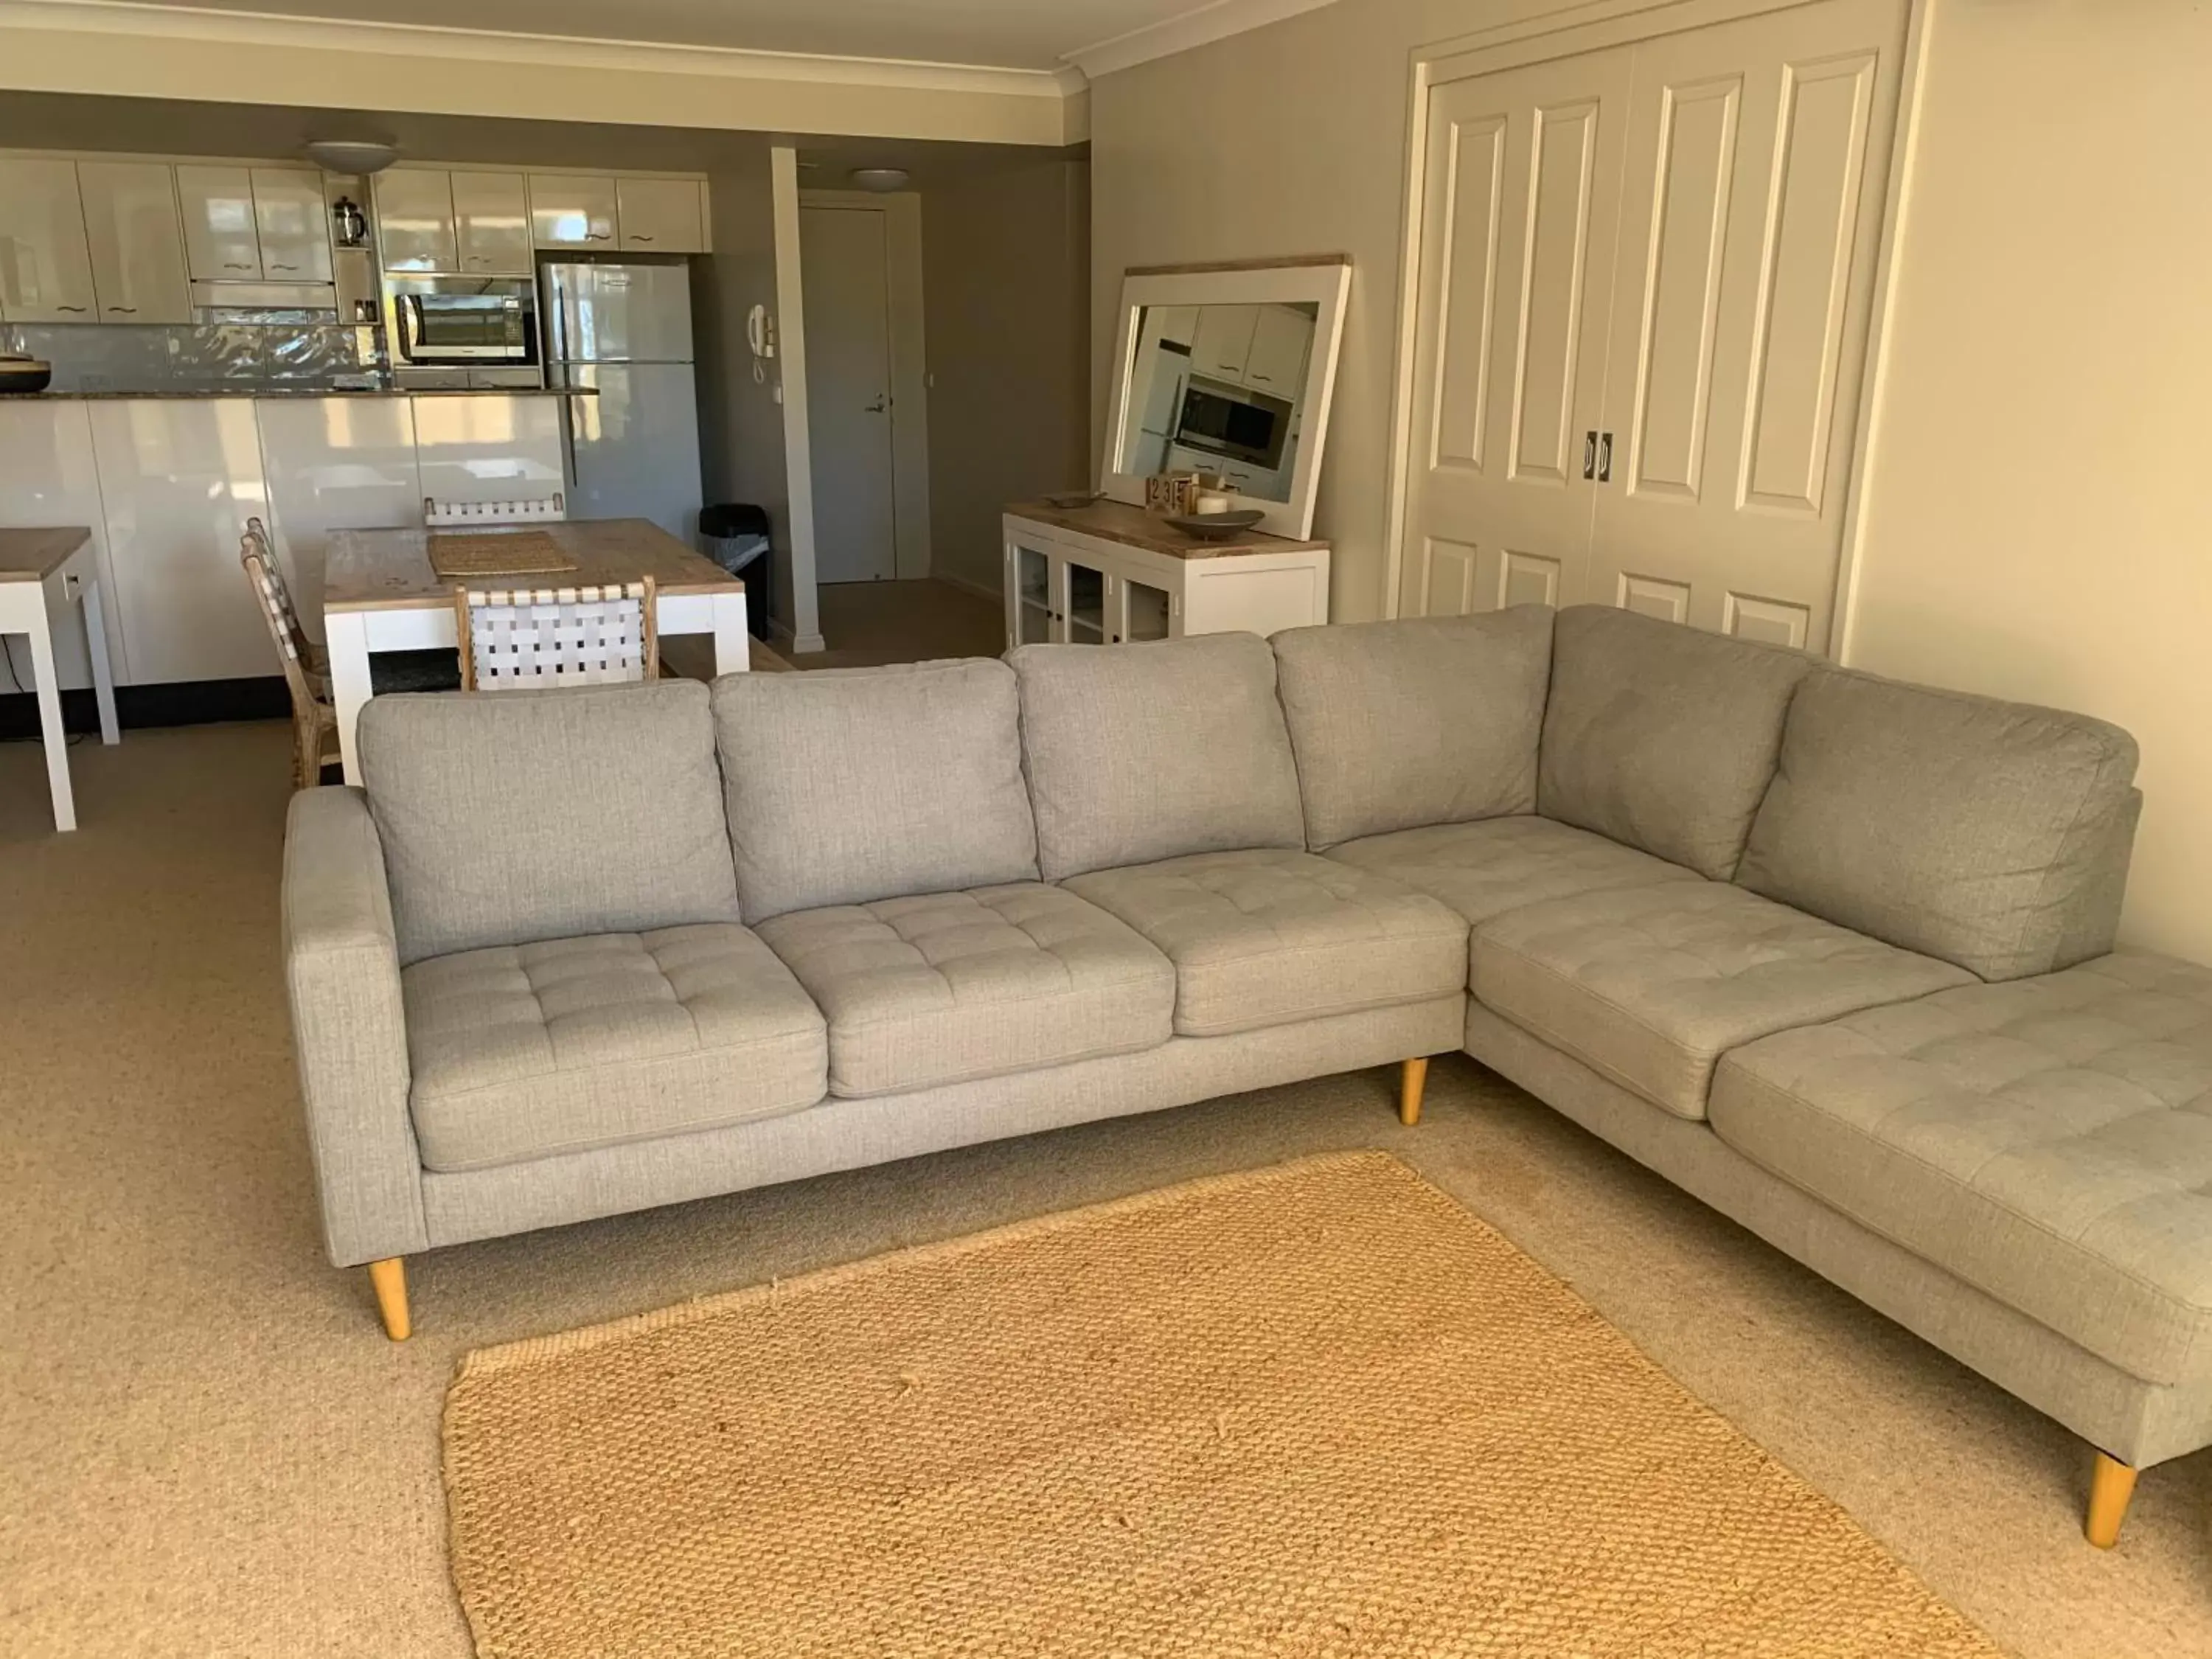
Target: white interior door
(845, 260)
(1740, 316)
(1517, 224)
(1645, 276)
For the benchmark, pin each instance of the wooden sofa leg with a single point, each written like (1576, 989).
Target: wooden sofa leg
(2110, 1488)
(389, 1276)
(1413, 1077)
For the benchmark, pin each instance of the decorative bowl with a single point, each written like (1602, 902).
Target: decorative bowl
(1217, 526)
(25, 375)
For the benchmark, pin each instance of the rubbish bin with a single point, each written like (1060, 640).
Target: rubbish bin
(737, 538)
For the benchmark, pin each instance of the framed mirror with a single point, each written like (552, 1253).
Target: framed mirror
(1228, 369)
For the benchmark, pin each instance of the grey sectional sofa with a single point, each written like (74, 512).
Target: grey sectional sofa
(1831, 953)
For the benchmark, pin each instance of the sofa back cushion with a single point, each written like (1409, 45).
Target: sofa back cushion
(1141, 753)
(1398, 725)
(510, 816)
(848, 786)
(1660, 736)
(1993, 834)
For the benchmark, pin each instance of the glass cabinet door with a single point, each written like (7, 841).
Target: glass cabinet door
(1029, 608)
(1086, 608)
(1147, 612)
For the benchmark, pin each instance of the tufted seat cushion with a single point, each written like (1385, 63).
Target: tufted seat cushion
(1268, 937)
(522, 1051)
(943, 988)
(1651, 986)
(1483, 869)
(2048, 1140)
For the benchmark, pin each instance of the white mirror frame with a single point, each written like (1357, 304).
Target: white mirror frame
(1323, 281)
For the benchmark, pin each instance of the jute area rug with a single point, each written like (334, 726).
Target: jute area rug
(1315, 1409)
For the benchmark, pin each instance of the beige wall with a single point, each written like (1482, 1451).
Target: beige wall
(2036, 515)
(2035, 522)
(1005, 296)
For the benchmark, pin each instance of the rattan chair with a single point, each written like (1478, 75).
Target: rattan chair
(525, 638)
(314, 719)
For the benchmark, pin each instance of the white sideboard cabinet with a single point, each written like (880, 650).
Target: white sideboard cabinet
(1110, 573)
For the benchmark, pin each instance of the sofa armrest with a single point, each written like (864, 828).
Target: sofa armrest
(349, 1029)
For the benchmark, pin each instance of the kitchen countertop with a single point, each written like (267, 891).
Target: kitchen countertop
(304, 392)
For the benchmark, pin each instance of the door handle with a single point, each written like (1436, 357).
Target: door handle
(1605, 457)
(1590, 454)
(877, 407)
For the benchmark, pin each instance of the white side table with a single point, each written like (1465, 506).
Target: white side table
(43, 571)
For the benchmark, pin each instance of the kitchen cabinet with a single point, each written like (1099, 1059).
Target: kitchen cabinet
(178, 479)
(334, 463)
(491, 217)
(1277, 361)
(1223, 341)
(221, 242)
(415, 220)
(46, 267)
(1111, 573)
(1175, 323)
(137, 239)
(661, 216)
(48, 477)
(294, 224)
(569, 209)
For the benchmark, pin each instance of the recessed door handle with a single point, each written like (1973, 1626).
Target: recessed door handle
(1590, 454)
(1605, 457)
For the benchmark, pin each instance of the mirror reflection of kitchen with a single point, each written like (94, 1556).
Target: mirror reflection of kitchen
(1216, 389)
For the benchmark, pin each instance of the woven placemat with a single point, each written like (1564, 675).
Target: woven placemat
(515, 553)
(1315, 1410)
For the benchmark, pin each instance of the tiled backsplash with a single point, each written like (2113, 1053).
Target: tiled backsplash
(122, 357)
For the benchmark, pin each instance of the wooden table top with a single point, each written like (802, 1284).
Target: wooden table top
(31, 555)
(390, 569)
(1132, 526)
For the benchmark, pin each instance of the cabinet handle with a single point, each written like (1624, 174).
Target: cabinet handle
(273, 265)
(124, 311)
(599, 236)
(79, 309)
(1605, 457)
(230, 265)
(639, 236)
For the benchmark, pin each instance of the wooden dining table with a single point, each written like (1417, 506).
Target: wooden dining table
(381, 593)
(43, 571)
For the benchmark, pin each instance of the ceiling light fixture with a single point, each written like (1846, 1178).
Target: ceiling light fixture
(351, 155)
(880, 179)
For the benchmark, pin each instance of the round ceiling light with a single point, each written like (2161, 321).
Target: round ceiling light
(351, 155)
(880, 179)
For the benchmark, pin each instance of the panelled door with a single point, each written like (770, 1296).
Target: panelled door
(1523, 199)
(1733, 317)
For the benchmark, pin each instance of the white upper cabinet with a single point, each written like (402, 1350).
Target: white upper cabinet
(137, 241)
(415, 220)
(1223, 341)
(295, 224)
(570, 209)
(662, 215)
(1277, 361)
(1176, 323)
(45, 268)
(491, 215)
(221, 243)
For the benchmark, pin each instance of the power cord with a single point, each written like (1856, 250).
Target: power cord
(7, 656)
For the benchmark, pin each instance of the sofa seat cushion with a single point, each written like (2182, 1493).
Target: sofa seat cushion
(522, 1051)
(2049, 1140)
(946, 987)
(1483, 869)
(1268, 937)
(1651, 986)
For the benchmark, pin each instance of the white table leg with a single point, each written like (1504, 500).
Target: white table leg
(345, 639)
(734, 643)
(50, 724)
(103, 676)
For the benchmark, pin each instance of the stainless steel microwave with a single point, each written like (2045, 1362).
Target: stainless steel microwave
(1232, 422)
(444, 321)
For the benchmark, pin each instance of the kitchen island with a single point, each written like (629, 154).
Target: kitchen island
(166, 482)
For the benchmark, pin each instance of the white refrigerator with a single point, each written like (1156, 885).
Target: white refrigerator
(624, 331)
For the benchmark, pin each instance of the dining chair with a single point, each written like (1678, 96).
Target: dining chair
(315, 718)
(459, 515)
(525, 638)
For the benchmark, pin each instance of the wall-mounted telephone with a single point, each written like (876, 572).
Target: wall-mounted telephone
(760, 333)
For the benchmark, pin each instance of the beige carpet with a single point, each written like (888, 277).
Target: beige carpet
(1317, 1409)
(207, 1448)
